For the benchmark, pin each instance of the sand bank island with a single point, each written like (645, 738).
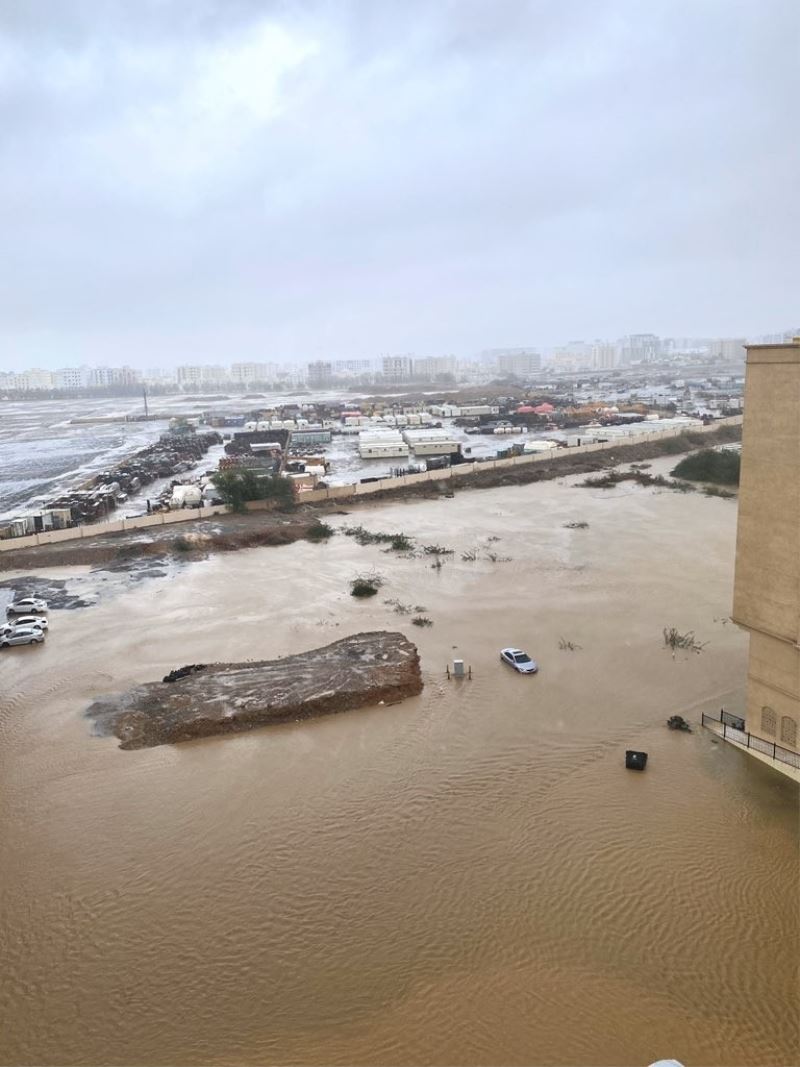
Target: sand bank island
(222, 698)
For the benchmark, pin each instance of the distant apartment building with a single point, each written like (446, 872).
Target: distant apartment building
(243, 373)
(433, 367)
(71, 378)
(767, 584)
(320, 374)
(102, 377)
(516, 362)
(520, 362)
(194, 375)
(397, 369)
(158, 375)
(640, 348)
(604, 355)
(576, 355)
(31, 380)
(346, 368)
(730, 349)
(189, 375)
(684, 346)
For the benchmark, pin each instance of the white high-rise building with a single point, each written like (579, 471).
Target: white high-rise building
(521, 363)
(397, 368)
(190, 374)
(71, 378)
(253, 372)
(605, 355)
(433, 367)
(640, 348)
(31, 380)
(731, 349)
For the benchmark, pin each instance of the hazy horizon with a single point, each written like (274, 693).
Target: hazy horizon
(239, 180)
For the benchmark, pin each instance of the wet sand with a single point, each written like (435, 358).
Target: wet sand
(469, 878)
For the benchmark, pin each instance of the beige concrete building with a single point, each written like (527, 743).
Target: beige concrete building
(767, 586)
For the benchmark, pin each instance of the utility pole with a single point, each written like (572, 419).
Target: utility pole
(144, 394)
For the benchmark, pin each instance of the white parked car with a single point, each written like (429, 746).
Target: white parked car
(22, 635)
(519, 660)
(27, 605)
(36, 622)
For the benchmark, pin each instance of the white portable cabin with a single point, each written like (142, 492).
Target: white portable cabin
(539, 446)
(383, 444)
(431, 442)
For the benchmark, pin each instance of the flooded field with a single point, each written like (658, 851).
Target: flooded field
(470, 877)
(45, 452)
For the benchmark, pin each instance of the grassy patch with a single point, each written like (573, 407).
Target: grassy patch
(611, 479)
(421, 620)
(404, 609)
(676, 641)
(397, 542)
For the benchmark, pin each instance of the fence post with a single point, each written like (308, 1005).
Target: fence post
(748, 739)
(724, 728)
(774, 751)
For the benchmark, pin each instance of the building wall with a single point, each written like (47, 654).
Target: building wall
(397, 368)
(767, 583)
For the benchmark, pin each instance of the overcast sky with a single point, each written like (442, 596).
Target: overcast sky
(214, 180)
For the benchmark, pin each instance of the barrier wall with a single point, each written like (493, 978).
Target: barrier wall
(141, 522)
(347, 492)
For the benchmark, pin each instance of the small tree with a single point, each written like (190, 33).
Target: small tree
(238, 485)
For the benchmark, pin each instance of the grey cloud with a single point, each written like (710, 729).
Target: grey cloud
(284, 180)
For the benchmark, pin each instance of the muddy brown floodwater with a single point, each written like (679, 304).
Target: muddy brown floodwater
(471, 877)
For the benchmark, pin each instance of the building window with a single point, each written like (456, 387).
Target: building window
(769, 721)
(788, 731)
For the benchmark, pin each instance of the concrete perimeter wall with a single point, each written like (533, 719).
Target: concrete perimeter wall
(348, 492)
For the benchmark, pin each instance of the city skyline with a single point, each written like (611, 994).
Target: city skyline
(634, 351)
(598, 354)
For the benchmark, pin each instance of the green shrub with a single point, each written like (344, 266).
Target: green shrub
(365, 585)
(711, 466)
(319, 531)
(238, 485)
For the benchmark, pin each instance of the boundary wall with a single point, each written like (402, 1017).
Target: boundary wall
(347, 492)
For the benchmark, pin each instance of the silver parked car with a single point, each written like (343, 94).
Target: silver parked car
(519, 660)
(22, 635)
(28, 605)
(36, 622)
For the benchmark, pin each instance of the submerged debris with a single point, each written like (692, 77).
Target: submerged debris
(183, 672)
(675, 640)
(677, 722)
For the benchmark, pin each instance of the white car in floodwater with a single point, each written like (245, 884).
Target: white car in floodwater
(22, 635)
(36, 622)
(27, 605)
(519, 660)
